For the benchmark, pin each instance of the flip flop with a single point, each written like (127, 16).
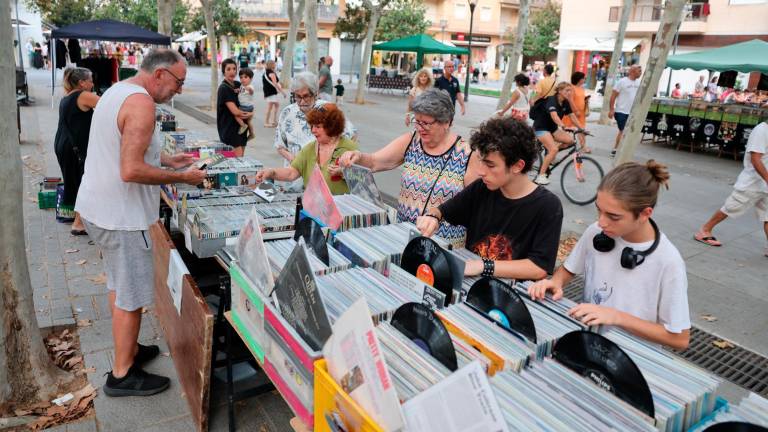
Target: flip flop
(707, 240)
(75, 232)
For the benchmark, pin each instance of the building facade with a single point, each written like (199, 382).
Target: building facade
(588, 29)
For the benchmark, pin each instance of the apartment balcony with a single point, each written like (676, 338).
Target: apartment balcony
(645, 18)
(515, 4)
(259, 9)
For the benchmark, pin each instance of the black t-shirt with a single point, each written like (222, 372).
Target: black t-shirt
(449, 85)
(499, 228)
(270, 89)
(243, 59)
(339, 89)
(225, 120)
(543, 120)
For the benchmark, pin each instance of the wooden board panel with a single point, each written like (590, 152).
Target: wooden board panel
(189, 336)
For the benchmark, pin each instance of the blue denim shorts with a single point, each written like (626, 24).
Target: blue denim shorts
(621, 120)
(541, 133)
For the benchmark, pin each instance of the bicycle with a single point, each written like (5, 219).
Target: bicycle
(581, 174)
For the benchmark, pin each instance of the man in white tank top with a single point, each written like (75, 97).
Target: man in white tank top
(118, 201)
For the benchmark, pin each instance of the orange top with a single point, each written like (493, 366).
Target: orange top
(579, 106)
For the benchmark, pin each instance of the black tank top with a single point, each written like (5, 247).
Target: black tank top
(269, 86)
(74, 125)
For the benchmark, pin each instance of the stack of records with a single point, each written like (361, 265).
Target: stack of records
(358, 213)
(682, 392)
(224, 221)
(753, 409)
(465, 255)
(466, 354)
(513, 351)
(278, 252)
(377, 246)
(550, 397)
(411, 368)
(340, 290)
(237, 164)
(550, 324)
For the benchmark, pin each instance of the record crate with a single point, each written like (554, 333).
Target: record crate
(497, 362)
(284, 356)
(333, 404)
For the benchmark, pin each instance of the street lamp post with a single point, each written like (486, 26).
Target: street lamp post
(472, 4)
(443, 25)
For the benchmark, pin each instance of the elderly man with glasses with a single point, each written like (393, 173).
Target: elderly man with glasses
(293, 132)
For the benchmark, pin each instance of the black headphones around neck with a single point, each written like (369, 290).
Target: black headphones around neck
(630, 258)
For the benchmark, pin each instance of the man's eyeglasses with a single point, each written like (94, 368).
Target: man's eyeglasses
(303, 98)
(424, 125)
(179, 81)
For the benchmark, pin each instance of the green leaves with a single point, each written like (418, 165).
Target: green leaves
(402, 18)
(227, 19)
(543, 30)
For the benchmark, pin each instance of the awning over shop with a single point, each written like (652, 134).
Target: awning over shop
(591, 43)
(192, 37)
(746, 57)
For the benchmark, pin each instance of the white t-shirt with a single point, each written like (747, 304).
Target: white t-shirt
(246, 98)
(656, 290)
(627, 89)
(749, 179)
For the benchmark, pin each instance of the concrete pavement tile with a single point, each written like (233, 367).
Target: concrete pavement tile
(101, 307)
(88, 425)
(735, 268)
(64, 321)
(83, 307)
(754, 242)
(44, 320)
(59, 293)
(98, 336)
(82, 286)
(61, 312)
(180, 424)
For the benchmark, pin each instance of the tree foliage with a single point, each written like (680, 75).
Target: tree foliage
(543, 30)
(354, 23)
(402, 18)
(64, 12)
(226, 18)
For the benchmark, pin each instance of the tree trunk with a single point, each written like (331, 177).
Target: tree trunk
(210, 27)
(293, 28)
(27, 374)
(673, 15)
(310, 24)
(365, 61)
(517, 51)
(617, 51)
(165, 9)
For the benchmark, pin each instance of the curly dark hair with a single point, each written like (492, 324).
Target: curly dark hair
(513, 139)
(522, 80)
(329, 116)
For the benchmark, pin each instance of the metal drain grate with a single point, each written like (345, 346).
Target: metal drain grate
(740, 366)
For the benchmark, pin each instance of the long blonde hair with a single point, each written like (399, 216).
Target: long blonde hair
(428, 73)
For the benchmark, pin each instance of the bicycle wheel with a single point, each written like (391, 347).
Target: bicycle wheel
(538, 159)
(581, 190)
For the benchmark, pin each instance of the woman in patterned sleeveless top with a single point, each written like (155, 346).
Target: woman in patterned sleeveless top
(436, 162)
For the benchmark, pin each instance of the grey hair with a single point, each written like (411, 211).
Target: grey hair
(73, 76)
(435, 103)
(160, 58)
(304, 80)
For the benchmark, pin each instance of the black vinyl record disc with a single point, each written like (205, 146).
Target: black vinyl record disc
(602, 361)
(314, 238)
(419, 324)
(426, 260)
(734, 426)
(499, 302)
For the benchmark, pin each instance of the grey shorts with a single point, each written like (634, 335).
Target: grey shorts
(128, 264)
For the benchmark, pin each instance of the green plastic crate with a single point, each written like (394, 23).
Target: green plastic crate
(46, 199)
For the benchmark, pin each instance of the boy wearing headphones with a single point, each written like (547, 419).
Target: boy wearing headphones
(634, 276)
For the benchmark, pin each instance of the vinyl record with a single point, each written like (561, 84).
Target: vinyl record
(314, 237)
(602, 361)
(735, 426)
(499, 302)
(419, 324)
(425, 259)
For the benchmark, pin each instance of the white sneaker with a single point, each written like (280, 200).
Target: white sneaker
(542, 179)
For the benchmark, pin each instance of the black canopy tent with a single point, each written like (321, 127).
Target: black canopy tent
(103, 30)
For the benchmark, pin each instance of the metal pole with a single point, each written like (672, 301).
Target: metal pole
(18, 35)
(469, 57)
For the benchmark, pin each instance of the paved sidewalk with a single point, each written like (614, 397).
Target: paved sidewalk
(727, 282)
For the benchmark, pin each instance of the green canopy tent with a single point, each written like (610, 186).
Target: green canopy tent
(746, 57)
(420, 44)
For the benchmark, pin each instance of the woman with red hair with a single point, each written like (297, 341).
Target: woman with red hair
(327, 122)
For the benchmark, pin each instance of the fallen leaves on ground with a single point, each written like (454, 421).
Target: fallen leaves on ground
(709, 318)
(81, 262)
(80, 405)
(723, 344)
(84, 323)
(72, 251)
(565, 247)
(100, 279)
(63, 349)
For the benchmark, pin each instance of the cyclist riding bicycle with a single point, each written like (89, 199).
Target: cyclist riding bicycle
(549, 126)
